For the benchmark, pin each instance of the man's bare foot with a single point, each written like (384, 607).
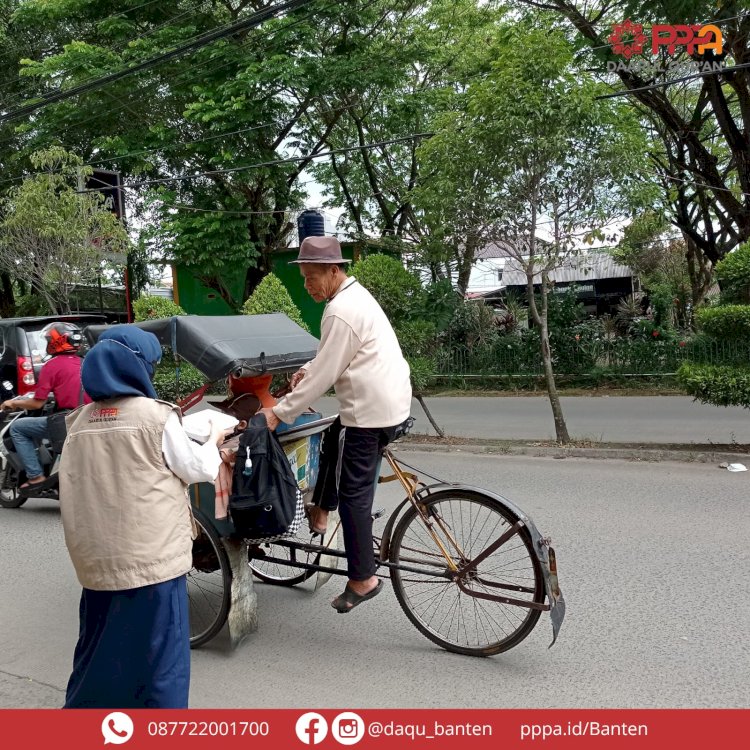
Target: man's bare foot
(363, 587)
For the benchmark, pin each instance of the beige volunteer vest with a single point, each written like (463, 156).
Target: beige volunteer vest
(126, 516)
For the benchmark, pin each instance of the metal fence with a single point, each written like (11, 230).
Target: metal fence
(618, 356)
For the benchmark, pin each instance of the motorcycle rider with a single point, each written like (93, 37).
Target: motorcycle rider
(60, 376)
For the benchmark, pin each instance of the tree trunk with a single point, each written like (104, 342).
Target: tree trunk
(540, 318)
(699, 270)
(561, 429)
(7, 298)
(434, 424)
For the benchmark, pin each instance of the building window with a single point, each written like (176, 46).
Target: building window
(500, 274)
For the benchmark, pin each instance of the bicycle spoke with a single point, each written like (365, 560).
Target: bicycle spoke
(467, 524)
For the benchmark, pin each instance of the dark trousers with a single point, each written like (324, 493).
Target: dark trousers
(349, 463)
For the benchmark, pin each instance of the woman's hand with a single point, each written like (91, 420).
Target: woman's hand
(219, 435)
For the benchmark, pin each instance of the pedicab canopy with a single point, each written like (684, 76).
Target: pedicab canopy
(218, 345)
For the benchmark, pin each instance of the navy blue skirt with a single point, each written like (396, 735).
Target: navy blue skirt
(133, 648)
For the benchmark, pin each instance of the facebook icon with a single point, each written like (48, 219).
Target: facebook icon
(311, 728)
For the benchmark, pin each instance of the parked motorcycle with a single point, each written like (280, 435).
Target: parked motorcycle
(12, 472)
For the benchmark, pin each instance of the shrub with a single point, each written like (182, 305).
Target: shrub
(727, 322)
(397, 291)
(168, 388)
(149, 307)
(271, 296)
(716, 384)
(733, 272)
(422, 372)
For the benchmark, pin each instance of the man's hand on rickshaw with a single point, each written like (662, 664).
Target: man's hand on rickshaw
(8, 405)
(271, 419)
(294, 382)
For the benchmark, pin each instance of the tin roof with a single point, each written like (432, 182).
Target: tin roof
(588, 267)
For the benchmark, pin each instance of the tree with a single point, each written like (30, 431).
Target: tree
(701, 135)
(534, 160)
(53, 236)
(239, 109)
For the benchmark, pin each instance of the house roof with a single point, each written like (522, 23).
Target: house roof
(499, 249)
(589, 267)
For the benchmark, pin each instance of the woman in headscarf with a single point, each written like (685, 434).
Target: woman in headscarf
(126, 513)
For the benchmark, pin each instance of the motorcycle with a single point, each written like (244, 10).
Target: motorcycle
(12, 472)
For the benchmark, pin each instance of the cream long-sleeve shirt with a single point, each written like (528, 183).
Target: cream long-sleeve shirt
(359, 355)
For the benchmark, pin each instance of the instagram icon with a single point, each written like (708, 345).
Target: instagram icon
(348, 728)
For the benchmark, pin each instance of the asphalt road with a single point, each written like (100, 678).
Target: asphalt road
(650, 419)
(652, 562)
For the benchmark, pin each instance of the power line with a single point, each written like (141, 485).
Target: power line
(158, 149)
(185, 74)
(672, 81)
(273, 163)
(8, 81)
(117, 48)
(256, 19)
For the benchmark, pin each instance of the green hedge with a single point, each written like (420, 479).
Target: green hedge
(715, 384)
(727, 322)
(733, 271)
(151, 307)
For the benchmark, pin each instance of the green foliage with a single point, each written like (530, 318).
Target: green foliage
(438, 304)
(52, 236)
(418, 340)
(31, 305)
(733, 272)
(719, 385)
(422, 372)
(172, 385)
(727, 322)
(397, 291)
(151, 307)
(472, 326)
(271, 296)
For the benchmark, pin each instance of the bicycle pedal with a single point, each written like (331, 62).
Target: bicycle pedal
(378, 513)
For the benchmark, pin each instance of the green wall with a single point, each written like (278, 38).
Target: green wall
(197, 299)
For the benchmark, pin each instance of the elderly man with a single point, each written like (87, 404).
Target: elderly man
(360, 356)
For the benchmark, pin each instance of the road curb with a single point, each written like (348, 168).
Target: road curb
(685, 454)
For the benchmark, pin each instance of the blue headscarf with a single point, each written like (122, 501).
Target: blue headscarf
(121, 364)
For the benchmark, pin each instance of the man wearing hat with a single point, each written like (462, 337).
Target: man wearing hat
(359, 355)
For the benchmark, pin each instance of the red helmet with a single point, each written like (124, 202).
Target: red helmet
(62, 338)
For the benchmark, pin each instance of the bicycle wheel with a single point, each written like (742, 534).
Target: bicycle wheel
(278, 574)
(209, 583)
(437, 607)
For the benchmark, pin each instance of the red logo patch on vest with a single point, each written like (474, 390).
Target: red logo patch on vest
(103, 415)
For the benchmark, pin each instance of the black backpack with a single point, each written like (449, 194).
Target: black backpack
(266, 502)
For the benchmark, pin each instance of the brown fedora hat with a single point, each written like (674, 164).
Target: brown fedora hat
(320, 250)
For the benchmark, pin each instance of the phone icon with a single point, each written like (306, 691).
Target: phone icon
(113, 728)
(117, 728)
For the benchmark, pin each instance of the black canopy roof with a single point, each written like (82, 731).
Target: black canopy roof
(222, 344)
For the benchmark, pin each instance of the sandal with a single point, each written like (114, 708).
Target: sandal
(350, 598)
(31, 483)
(311, 511)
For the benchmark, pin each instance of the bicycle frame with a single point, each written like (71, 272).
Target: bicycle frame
(448, 568)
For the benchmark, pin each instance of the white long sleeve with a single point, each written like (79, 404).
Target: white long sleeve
(189, 460)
